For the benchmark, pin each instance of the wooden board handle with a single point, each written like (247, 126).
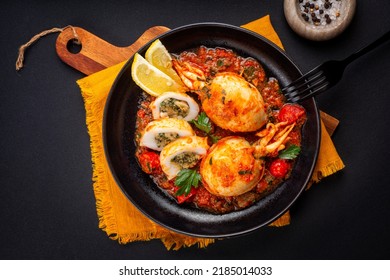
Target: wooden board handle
(97, 54)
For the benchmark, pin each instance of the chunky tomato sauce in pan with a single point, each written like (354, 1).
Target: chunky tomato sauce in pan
(273, 166)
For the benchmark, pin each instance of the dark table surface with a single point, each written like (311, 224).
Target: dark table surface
(47, 205)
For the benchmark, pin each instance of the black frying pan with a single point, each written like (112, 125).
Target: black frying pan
(119, 128)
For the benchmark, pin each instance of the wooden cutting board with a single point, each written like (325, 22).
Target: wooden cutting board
(97, 54)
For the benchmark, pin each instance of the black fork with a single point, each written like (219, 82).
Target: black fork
(325, 75)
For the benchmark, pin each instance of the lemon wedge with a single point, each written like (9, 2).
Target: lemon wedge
(158, 56)
(150, 79)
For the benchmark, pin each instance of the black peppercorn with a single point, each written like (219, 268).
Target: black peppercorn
(309, 10)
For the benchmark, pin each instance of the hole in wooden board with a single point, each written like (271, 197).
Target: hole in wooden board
(73, 46)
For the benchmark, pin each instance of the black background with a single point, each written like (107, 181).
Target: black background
(47, 205)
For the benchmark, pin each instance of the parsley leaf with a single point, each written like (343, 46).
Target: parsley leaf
(203, 122)
(249, 72)
(186, 179)
(214, 138)
(245, 172)
(290, 153)
(220, 62)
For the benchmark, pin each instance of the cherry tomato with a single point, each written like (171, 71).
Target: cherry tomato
(279, 168)
(149, 161)
(183, 197)
(290, 113)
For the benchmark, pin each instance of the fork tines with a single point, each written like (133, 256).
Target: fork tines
(306, 86)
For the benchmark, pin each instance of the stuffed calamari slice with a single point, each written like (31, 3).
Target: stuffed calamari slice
(159, 133)
(174, 105)
(182, 153)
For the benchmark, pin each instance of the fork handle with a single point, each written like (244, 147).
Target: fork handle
(384, 38)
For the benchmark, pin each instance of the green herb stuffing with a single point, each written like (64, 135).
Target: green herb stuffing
(186, 160)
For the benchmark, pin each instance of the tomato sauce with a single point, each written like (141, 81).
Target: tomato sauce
(213, 61)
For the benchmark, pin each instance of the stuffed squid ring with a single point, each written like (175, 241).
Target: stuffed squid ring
(182, 153)
(174, 105)
(159, 133)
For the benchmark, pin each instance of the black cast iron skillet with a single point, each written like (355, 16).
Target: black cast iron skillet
(119, 128)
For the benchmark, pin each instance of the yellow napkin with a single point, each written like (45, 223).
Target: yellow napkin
(117, 216)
